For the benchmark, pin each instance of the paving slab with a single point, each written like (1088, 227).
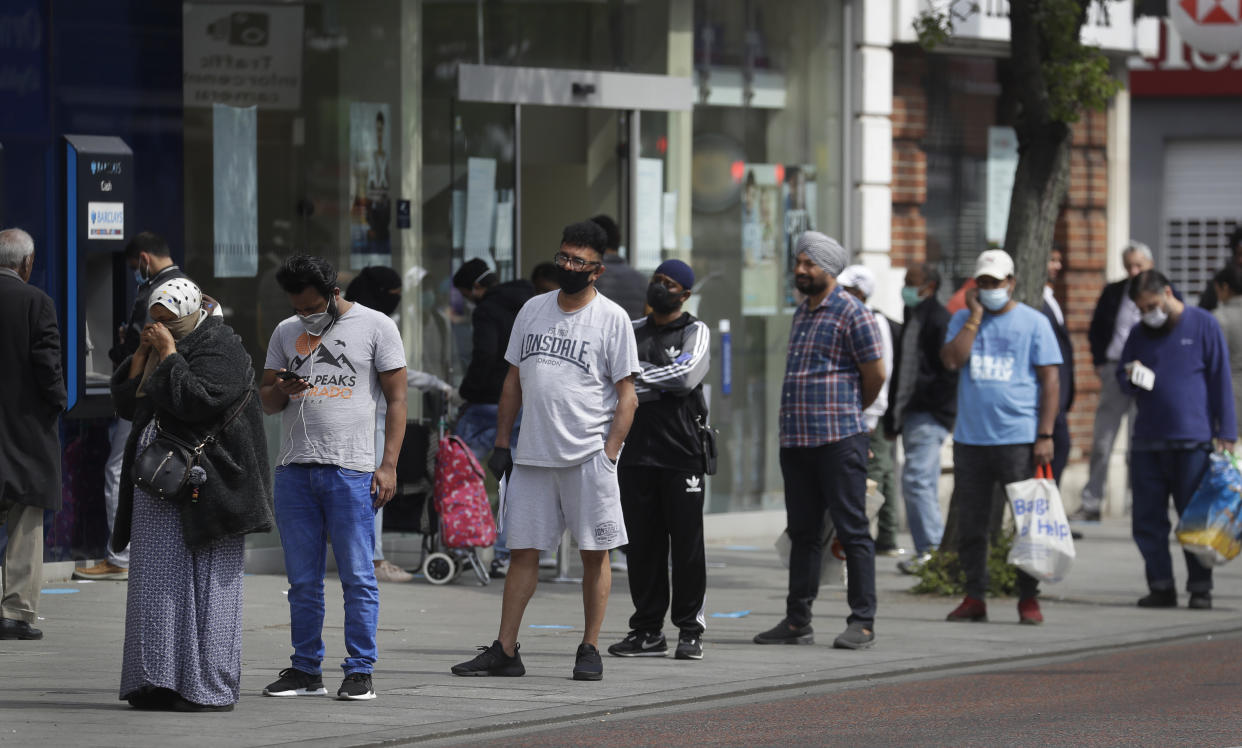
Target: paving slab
(63, 690)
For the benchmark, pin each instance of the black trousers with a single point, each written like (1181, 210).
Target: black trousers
(831, 477)
(664, 517)
(978, 473)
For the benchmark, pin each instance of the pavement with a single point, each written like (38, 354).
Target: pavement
(63, 690)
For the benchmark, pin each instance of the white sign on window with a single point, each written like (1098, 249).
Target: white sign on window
(1002, 165)
(242, 55)
(105, 221)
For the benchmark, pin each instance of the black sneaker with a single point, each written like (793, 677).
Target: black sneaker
(640, 644)
(689, 646)
(588, 665)
(1159, 599)
(493, 661)
(782, 634)
(294, 682)
(356, 687)
(1200, 601)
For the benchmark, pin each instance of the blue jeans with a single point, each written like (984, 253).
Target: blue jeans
(476, 425)
(1154, 475)
(313, 503)
(922, 436)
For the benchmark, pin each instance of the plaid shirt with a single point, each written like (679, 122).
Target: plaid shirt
(821, 400)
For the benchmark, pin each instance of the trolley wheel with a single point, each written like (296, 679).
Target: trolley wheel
(439, 568)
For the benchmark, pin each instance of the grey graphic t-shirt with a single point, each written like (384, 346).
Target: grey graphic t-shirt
(333, 423)
(569, 364)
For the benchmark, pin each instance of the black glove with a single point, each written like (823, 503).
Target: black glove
(500, 463)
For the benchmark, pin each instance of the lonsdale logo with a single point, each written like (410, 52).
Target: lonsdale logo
(556, 344)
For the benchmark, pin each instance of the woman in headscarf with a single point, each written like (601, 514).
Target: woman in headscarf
(183, 620)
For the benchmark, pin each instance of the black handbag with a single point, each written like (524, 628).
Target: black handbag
(707, 437)
(170, 464)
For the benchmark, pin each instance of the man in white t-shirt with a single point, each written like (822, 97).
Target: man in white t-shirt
(573, 358)
(327, 368)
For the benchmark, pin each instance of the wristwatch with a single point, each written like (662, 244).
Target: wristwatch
(1045, 436)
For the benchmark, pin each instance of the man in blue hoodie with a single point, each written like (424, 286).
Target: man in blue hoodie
(1176, 364)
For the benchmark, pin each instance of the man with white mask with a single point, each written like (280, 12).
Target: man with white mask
(1175, 364)
(1008, 396)
(327, 368)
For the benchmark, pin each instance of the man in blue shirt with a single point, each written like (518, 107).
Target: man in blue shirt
(833, 371)
(1008, 397)
(1176, 364)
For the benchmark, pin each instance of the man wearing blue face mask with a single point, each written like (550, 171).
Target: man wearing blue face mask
(149, 259)
(1009, 391)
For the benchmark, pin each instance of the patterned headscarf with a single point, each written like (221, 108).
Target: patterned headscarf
(179, 296)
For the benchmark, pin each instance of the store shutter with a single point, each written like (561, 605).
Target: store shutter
(1202, 204)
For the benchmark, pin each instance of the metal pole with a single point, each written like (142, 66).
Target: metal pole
(517, 191)
(631, 192)
(847, 124)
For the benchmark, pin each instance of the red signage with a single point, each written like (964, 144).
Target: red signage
(1181, 70)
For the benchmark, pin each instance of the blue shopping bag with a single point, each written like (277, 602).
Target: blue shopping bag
(1211, 526)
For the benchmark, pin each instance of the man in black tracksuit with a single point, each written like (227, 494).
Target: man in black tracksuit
(661, 472)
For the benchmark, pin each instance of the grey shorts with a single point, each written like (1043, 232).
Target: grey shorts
(540, 502)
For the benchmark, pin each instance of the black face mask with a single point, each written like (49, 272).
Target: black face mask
(387, 303)
(572, 282)
(662, 300)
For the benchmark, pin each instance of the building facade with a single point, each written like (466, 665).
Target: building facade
(421, 133)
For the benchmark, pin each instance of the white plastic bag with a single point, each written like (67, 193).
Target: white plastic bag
(1042, 544)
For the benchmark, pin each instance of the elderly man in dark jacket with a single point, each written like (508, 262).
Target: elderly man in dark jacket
(1115, 315)
(31, 400)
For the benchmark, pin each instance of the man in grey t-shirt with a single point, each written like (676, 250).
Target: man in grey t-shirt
(572, 359)
(327, 368)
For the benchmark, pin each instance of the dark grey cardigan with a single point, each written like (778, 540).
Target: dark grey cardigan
(193, 391)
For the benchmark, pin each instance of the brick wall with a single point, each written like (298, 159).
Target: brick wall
(1081, 228)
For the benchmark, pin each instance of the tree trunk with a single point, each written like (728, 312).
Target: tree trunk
(1042, 178)
(1039, 188)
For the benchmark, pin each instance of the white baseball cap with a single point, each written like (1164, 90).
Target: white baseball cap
(860, 277)
(995, 263)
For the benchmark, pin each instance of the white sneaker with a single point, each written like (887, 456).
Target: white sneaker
(390, 572)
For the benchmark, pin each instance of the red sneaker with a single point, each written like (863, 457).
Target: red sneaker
(1028, 612)
(971, 609)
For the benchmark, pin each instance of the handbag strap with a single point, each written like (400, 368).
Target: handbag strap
(211, 435)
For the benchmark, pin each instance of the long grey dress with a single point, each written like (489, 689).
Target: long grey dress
(183, 619)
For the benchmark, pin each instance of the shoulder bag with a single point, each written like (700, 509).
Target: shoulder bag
(169, 463)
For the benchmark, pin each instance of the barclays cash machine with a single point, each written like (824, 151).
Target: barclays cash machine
(98, 223)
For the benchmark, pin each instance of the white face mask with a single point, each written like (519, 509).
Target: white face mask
(994, 299)
(316, 324)
(1156, 318)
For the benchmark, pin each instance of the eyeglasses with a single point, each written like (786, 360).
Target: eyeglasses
(573, 263)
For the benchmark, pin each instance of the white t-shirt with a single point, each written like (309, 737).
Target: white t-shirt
(873, 414)
(569, 364)
(333, 423)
